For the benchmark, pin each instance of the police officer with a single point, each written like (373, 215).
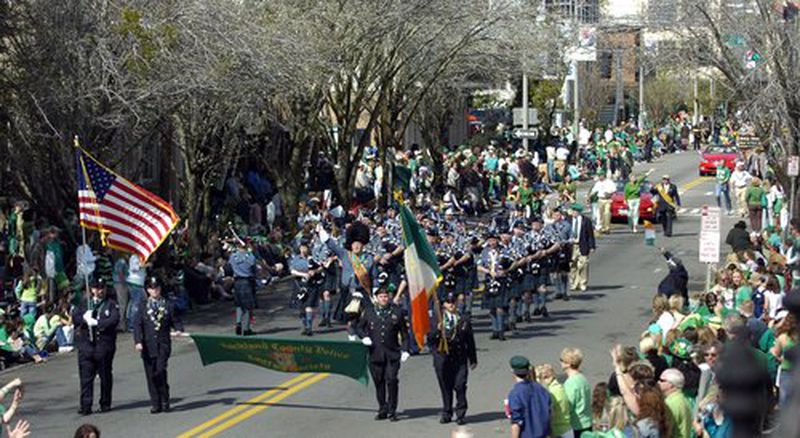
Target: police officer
(243, 264)
(383, 329)
(96, 338)
(151, 336)
(453, 346)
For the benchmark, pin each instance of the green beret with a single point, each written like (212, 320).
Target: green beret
(577, 207)
(520, 363)
(681, 348)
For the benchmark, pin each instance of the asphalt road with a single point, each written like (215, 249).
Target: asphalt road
(235, 400)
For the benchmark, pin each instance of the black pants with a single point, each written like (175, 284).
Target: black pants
(96, 362)
(451, 372)
(155, 370)
(384, 374)
(666, 222)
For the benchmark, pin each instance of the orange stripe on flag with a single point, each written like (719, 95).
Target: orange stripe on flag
(420, 320)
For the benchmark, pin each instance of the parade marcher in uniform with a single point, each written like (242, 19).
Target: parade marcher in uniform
(518, 247)
(383, 329)
(243, 264)
(496, 290)
(330, 273)
(453, 347)
(542, 247)
(667, 202)
(560, 230)
(152, 338)
(96, 339)
(311, 278)
(357, 271)
(582, 237)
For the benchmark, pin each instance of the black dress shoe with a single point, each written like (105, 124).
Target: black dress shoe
(248, 333)
(545, 313)
(155, 410)
(105, 409)
(380, 416)
(537, 312)
(501, 336)
(393, 417)
(84, 411)
(494, 335)
(461, 421)
(566, 297)
(166, 408)
(238, 329)
(444, 420)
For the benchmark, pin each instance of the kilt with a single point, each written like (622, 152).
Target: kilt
(311, 298)
(332, 274)
(243, 293)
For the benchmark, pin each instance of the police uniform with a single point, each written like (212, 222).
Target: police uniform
(96, 338)
(386, 327)
(151, 330)
(243, 264)
(453, 348)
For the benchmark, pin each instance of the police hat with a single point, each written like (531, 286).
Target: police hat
(382, 290)
(152, 282)
(536, 218)
(97, 283)
(450, 298)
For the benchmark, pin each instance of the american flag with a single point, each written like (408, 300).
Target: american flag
(130, 218)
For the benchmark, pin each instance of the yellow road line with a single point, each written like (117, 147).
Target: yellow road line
(285, 386)
(262, 406)
(695, 182)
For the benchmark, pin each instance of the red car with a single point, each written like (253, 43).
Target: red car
(712, 154)
(619, 208)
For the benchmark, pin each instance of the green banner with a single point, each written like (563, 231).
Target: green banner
(287, 355)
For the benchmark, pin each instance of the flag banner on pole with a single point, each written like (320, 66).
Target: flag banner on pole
(422, 271)
(287, 355)
(129, 218)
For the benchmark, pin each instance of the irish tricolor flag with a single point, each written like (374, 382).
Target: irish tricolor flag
(422, 271)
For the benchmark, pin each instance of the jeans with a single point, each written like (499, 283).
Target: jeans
(135, 296)
(633, 212)
(26, 307)
(719, 191)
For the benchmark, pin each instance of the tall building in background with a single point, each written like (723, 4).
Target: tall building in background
(586, 11)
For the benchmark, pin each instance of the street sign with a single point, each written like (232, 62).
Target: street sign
(710, 221)
(533, 117)
(793, 169)
(748, 141)
(529, 134)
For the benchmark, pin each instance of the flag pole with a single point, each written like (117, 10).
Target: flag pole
(83, 237)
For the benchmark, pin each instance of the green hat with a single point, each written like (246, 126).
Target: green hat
(520, 364)
(681, 348)
(577, 207)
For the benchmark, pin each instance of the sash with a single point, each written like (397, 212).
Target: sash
(361, 273)
(666, 197)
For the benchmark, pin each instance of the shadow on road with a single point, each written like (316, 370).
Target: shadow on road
(603, 287)
(485, 417)
(420, 413)
(140, 404)
(200, 404)
(243, 389)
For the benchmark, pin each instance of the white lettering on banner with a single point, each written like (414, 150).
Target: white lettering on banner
(709, 234)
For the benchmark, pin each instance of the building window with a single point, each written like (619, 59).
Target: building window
(604, 62)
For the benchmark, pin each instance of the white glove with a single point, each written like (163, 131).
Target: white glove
(357, 295)
(404, 356)
(367, 341)
(91, 322)
(87, 315)
(352, 338)
(323, 235)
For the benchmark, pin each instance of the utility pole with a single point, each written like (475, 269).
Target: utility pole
(696, 102)
(618, 101)
(576, 99)
(525, 108)
(641, 78)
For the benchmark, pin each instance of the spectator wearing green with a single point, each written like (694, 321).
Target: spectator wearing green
(578, 391)
(723, 187)
(633, 189)
(678, 407)
(560, 407)
(756, 200)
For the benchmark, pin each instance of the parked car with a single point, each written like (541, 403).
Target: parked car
(712, 154)
(619, 208)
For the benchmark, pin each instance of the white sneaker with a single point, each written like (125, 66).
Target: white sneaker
(352, 338)
(65, 349)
